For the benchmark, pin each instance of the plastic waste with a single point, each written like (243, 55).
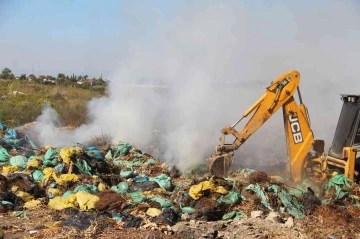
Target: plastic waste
(169, 217)
(86, 188)
(122, 149)
(259, 193)
(32, 204)
(38, 175)
(124, 173)
(83, 167)
(131, 221)
(67, 194)
(53, 192)
(122, 187)
(108, 155)
(137, 197)
(33, 164)
(4, 156)
(341, 184)
(25, 196)
(164, 203)
(94, 152)
(101, 187)
(68, 153)
(196, 191)
(81, 220)
(234, 215)
(141, 179)
(150, 161)
(19, 161)
(59, 168)
(230, 198)
(10, 169)
(164, 181)
(50, 154)
(289, 201)
(86, 200)
(153, 212)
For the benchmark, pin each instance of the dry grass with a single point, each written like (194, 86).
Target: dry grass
(69, 102)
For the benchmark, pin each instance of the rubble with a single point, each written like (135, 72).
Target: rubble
(119, 186)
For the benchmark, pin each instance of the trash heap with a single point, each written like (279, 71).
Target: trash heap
(129, 186)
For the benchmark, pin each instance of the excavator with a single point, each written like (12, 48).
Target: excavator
(306, 158)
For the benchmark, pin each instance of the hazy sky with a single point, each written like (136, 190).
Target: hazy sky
(81, 37)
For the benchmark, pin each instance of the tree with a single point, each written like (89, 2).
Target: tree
(6, 74)
(23, 77)
(32, 77)
(61, 76)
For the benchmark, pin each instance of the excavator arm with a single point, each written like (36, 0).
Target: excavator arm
(299, 137)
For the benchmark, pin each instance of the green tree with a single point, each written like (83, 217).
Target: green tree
(23, 77)
(32, 77)
(6, 74)
(61, 76)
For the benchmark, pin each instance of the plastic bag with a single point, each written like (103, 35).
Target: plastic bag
(33, 164)
(122, 149)
(153, 212)
(233, 215)
(50, 154)
(32, 204)
(231, 198)
(164, 203)
(126, 173)
(94, 152)
(60, 203)
(164, 182)
(86, 188)
(86, 200)
(259, 193)
(4, 156)
(196, 191)
(67, 153)
(19, 161)
(341, 184)
(38, 175)
(10, 169)
(122, 187)
(25, 196)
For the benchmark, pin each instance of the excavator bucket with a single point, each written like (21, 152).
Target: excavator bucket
(219, 165)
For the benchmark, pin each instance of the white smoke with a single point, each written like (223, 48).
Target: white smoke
(247, 43)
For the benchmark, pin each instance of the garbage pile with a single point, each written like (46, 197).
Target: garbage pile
(124, 184)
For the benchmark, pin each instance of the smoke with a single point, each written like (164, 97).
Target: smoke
(205, 45)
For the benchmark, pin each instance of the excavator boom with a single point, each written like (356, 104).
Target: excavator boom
(299, 137)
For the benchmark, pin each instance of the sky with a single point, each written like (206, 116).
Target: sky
(81, 37)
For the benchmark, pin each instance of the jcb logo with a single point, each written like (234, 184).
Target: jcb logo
(295, 129)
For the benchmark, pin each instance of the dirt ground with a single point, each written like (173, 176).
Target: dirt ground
(326, 222)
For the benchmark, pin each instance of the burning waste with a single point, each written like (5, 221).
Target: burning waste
(120, 186)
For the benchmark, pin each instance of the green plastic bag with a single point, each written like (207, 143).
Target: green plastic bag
(340, 183)
(137, 197)
(126, 173)
(59, 168)
(67, 194)
(164, 181)
(150, 161)
(108, 155)
(164, 203)
(290, 202)
(188, 210)
(230, 198)
(51, 163)
(83, 167)
(86, 188)
(50, 154)
(38, 175)
(4, 156)
(19, 161)
(122, 187)
(122, 149)
(233, 215)
(259, 193)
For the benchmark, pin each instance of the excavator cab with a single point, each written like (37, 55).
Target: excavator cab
(346, 142)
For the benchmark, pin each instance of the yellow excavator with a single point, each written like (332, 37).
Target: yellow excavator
(306, 157)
